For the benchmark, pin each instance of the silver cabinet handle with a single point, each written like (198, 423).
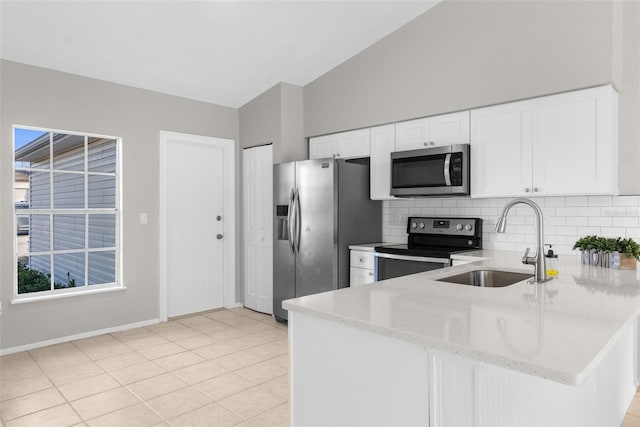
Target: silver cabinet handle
(218, 218)
(527, 190)
(536, 189)
(219, 237)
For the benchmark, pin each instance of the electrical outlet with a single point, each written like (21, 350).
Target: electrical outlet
(144, 218)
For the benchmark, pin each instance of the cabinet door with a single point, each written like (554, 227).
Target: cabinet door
(575, 143)
(322, 147)
(353, 144)
(449, 129)
(360, 276)
(501, 153)
(383, 143)
(412, 134)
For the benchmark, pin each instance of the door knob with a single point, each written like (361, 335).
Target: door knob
(219, 236)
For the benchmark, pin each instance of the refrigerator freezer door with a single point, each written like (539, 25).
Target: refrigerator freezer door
(317, 256)
(284, 267)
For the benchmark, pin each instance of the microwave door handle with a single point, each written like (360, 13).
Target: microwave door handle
(447, 170)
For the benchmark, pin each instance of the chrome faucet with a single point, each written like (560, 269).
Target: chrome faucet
(540, 271)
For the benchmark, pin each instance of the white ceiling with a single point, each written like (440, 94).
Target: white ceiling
(223, 52)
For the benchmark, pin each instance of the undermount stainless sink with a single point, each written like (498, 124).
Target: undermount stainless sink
(486, 278)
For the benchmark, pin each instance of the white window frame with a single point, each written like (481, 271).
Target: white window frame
(86, 289)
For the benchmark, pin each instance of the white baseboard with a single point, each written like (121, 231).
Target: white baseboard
(235, 305)
(79, 336)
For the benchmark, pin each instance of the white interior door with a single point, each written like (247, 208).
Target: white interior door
(258, 228)
(194, 189)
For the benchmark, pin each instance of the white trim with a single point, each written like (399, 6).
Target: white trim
(64, 293)
(79, 336)
(229, 263)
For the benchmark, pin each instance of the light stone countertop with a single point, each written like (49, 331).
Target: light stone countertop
(559, 330)
(368, 247)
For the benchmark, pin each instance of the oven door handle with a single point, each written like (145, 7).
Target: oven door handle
(447, 170)
(445, 261)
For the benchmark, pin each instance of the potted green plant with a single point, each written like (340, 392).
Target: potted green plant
(590, 248)
(629, 253)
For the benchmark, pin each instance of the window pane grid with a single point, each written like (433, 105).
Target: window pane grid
(71, 263)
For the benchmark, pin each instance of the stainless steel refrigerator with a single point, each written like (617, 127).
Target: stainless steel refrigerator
(320, 208)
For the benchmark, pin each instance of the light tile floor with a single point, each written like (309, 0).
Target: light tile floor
(219, 368)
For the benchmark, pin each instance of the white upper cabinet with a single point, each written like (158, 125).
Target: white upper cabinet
(446, 129)
(346, 145)
(383, 143)
(501, 144)
(575, 143)
(564, 144)
(322, 147)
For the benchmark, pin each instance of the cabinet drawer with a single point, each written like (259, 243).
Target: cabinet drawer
(360, 276)
(361, 259)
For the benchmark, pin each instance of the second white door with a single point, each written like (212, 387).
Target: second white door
(258, 228)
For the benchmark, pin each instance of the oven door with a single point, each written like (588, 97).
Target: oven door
(388, 266)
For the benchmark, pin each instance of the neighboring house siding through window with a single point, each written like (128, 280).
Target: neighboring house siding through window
(72, 231)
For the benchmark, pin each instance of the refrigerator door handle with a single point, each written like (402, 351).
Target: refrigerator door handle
(290, 216)
(298, 221)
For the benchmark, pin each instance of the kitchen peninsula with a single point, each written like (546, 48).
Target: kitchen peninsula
(417, 351)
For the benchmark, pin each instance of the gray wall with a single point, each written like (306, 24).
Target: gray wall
(276, 117)
(465, 54)
(34, 96)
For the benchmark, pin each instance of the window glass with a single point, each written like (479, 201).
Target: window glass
(66, 210)
(102, 155)
(68, 190)
(68, 152)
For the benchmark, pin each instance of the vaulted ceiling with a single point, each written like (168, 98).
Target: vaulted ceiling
(222, 52)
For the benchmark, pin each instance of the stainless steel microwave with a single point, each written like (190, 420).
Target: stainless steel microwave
(437, 171)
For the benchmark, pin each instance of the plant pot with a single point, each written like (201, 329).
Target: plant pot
(585, 257)
(628, 262)
(620, 261)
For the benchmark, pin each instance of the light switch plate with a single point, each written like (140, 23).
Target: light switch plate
(144, 218)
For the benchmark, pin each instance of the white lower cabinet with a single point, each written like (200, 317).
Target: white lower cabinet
(565, 144)
(367, 378)
(361, 269)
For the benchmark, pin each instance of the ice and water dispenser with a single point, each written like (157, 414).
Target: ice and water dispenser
(282, 222)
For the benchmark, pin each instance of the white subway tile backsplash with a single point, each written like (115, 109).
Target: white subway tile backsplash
(626, 201)
(600, 221)
(567, 211)
(577, 220)
(612, 232)
(614, 211)
(577, 201)
(589, 211)
(586, 231)
(566, 219)
(625, 222)
(600, 200)
(554, 201)
(567, 230)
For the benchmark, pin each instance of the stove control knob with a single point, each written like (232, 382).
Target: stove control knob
(421, 225)
(414, 225)
(469, 227)
(459, 227)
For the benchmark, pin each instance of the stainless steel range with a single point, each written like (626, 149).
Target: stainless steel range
(430, 243)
